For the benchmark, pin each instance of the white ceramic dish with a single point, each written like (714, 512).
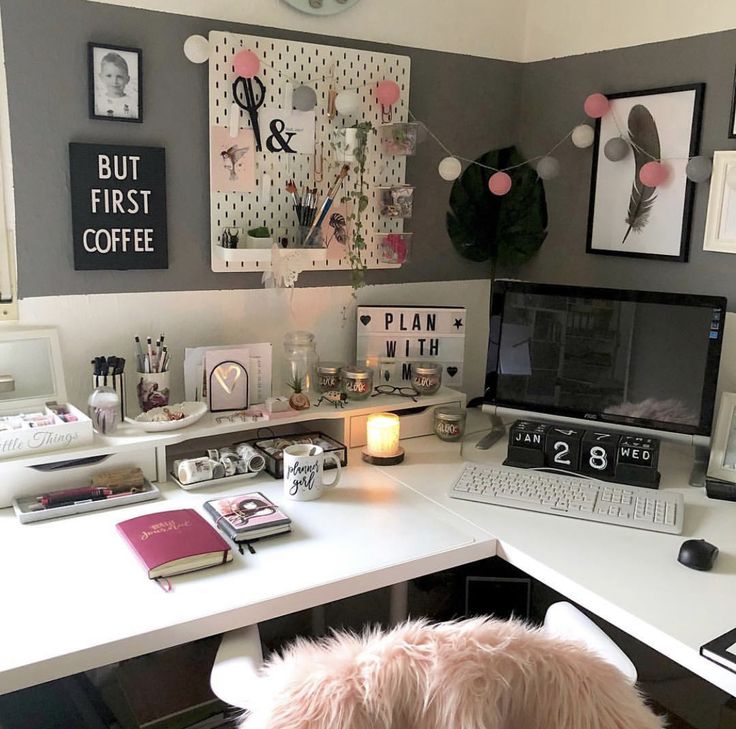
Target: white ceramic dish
(193, 411)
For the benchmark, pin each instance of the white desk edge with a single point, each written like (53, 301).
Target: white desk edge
(427, 473)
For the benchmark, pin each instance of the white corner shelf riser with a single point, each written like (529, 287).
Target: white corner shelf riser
(152, 452)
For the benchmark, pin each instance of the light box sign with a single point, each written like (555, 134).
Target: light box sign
(118, 207)
(410, 334)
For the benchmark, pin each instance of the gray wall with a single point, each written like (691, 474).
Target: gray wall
(470, 103)
(553, 93)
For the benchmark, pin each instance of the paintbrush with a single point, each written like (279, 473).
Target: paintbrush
(327, 204)
(312, 207)
(291, 188)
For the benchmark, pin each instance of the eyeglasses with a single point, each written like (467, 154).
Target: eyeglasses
(244, 416)
(400, 391)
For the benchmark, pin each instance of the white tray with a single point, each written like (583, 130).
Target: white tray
(224, 481)
(26, 517)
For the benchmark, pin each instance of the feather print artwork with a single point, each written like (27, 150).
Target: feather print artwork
(645, 143)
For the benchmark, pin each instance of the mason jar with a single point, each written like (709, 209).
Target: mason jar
(357, 382)
(300, 361)
(426, 377)
(328, 376)
(449, 423)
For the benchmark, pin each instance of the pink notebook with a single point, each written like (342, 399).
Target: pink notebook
(173, 542)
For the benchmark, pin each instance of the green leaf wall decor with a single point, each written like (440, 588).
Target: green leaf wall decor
(484, 227)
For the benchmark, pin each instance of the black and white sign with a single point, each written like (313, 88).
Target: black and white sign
(118, 207)
(408, 334)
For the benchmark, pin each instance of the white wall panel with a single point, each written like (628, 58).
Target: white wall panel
(105, 324)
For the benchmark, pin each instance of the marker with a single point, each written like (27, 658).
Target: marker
(139, 352)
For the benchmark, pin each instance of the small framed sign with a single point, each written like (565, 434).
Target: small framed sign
(115, 78)
(118, 207)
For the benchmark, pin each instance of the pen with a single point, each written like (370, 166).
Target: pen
(38, 506)
(139, 352)
(83, 493)
(160, 355)
(149, 350)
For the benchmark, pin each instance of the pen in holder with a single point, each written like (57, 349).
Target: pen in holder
(117, 383)
(152, 389)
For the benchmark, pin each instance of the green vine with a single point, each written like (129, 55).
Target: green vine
(359, 199)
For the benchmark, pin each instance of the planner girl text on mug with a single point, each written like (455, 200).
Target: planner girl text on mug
(304, 472)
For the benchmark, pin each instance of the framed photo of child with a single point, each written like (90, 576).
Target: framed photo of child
(115, 83)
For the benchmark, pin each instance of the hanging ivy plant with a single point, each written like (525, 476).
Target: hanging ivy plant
(506, 229)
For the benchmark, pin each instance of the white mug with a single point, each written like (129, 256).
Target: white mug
(303, 472)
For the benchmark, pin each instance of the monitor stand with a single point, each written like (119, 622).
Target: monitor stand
(497, 431)
(700, 466)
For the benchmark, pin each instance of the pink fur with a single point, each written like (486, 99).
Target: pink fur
(471, 674)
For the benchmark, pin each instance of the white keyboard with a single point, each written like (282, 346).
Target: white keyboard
(573, 496)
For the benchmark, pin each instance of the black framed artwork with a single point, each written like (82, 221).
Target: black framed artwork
(625, 217)
(732, 118)
(118, 196)
(115, 77)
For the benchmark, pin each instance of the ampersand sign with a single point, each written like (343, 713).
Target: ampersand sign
(277, 127)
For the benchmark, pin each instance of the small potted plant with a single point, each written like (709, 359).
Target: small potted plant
(298, 399)
(259, 238)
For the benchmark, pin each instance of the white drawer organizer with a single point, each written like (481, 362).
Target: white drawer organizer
(154, 453)
(284, 66)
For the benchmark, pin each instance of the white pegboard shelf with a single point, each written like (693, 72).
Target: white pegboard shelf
(285, 65)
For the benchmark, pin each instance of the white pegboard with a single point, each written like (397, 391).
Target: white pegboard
(284, 66)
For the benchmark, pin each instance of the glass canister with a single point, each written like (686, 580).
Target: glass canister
(328, 376)
(357, 382)
(103, 407)
(449, 423)
(300, 361)
(426, 377)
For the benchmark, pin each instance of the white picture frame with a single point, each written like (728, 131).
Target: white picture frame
(722, 462)
(720, 221)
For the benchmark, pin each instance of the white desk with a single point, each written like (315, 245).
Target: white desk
(76, 598)
(629, 577)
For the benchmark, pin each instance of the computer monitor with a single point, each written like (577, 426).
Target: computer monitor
(633, 360)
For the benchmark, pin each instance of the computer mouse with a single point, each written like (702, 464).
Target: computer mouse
(697, 554)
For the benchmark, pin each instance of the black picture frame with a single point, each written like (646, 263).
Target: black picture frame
(690, 146)
(732, 118)
(133, 59)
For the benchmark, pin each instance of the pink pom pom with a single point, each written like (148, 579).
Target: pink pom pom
(246, 64)
(654, 174)
(499, 183)
(596, 106)
(387, 92)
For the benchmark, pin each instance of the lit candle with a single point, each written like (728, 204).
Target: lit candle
(382, 435)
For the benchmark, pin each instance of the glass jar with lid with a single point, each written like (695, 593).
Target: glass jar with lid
(328, 376)
(357, 382)
(300, 361)
(426, 377)
(449, 423)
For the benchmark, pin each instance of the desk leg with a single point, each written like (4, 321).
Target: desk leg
(399, 605)
(319, 623)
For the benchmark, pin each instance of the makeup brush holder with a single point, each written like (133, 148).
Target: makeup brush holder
(115, 382)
